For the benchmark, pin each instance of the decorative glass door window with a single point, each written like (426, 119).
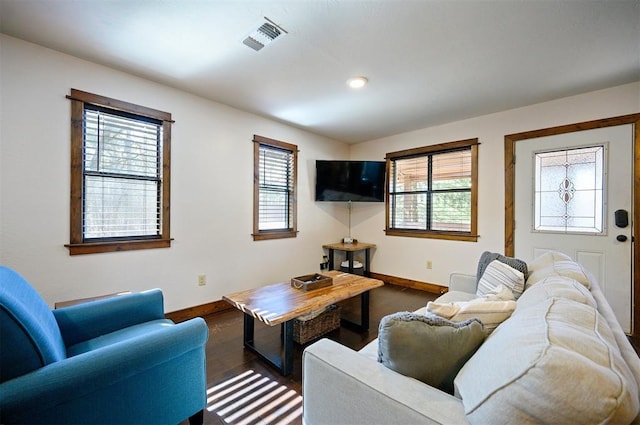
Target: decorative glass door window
(569, 190)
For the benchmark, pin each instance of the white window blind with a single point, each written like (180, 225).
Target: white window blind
(122, 175)
(275, 188)
(431, 192)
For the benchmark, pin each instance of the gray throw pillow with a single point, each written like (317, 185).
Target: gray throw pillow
(428, 348)
(487, 257)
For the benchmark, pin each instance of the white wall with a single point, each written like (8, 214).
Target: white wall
(211, 220)
(406, 257)
(211, 199)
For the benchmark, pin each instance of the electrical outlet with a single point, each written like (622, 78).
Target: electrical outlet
(429, 265)
(202, 279)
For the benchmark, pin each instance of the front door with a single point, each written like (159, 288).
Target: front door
(572, 193)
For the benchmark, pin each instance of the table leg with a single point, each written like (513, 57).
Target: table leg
(364, 311)
(367, 258)
(248, 330)
(283, 363)
(287, 355)
(330, 258)
(364, 315)
(350, 261)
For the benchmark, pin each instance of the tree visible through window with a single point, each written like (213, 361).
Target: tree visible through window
(275, 168)
(432, 191)
(120, 175)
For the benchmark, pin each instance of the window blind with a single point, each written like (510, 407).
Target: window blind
(122, 175)
(275, 188)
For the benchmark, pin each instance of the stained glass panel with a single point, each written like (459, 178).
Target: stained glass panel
(568, 195)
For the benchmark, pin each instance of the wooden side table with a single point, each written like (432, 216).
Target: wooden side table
(349, 249)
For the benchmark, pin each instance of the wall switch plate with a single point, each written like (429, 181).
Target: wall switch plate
(429, 265)
(202, 279)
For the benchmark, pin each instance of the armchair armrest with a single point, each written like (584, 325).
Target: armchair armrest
(462, 282)
(85, 321)
(101, 378)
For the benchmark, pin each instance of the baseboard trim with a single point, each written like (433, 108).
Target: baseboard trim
(199, 311)
(409, 283)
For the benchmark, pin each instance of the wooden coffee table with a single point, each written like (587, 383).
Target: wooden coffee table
(280, 303)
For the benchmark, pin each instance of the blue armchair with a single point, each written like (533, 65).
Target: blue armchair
(112, 361)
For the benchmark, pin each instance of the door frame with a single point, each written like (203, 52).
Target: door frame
(510, 141)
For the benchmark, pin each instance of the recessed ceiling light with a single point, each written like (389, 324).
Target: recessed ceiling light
(357, 82)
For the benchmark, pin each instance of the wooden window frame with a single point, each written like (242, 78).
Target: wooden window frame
(258, 234)
(77, 245)
(472, 235)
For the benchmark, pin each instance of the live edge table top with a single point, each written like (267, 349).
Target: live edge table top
(279, 302)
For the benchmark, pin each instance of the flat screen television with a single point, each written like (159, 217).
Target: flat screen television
(356, 181)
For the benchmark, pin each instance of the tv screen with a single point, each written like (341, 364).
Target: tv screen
(356, 181)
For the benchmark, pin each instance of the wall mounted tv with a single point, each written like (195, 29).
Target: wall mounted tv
(356, 181)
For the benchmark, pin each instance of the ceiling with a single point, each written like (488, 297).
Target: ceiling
(428, 62)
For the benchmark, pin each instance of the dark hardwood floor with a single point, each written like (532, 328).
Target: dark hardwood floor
(242, 389)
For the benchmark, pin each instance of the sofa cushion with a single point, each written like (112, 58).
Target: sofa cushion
(555, 263)
(487, 257)
(558, 287)
(498, 273)
(554, 362)
(427, 347)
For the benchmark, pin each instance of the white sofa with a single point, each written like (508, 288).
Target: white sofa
(560, 358)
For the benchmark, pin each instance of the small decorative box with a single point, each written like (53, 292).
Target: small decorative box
(311, 281)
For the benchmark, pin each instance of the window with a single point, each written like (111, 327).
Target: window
(120, 173)
(569, 190)
(274, 189)
(432, 191)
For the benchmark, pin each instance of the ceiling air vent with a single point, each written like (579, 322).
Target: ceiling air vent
(265, 34)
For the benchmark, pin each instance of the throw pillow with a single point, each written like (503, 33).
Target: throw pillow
(427, 347)
(498, 273)
(487, 257)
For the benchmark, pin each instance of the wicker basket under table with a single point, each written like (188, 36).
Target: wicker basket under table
(307, 330)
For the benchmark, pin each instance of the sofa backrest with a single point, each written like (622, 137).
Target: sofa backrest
(29, 334)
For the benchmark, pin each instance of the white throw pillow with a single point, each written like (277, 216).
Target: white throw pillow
(498, 273)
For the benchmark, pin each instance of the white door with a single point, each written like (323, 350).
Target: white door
(567, 190)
